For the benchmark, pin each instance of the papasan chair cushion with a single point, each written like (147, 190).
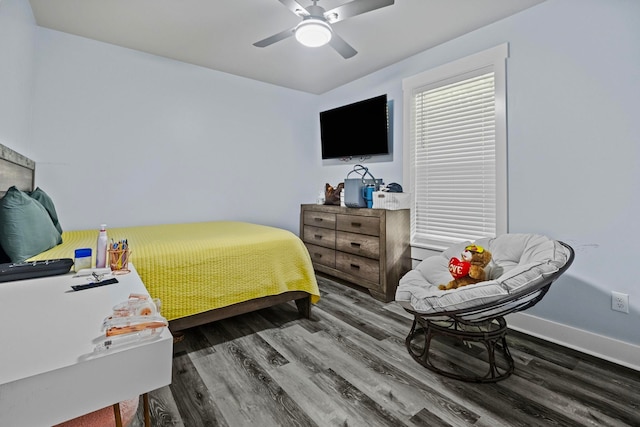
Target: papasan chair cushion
(519, 262)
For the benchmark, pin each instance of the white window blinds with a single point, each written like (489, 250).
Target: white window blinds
(455, 137)
(455, 161)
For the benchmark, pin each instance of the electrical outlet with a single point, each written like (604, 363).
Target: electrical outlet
(619, 302)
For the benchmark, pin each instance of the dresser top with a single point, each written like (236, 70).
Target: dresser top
(349, 211)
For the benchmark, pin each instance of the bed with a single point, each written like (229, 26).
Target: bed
(201, 272)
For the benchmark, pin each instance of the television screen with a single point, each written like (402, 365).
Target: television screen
(355, 130)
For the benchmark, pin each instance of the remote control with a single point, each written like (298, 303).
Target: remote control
(33, 269)
(93, 284)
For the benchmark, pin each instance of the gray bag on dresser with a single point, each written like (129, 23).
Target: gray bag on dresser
(353, 187)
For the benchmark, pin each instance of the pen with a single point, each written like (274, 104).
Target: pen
(120, 245)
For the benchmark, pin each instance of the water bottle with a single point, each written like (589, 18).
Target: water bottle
(367, 195)
(101, 247)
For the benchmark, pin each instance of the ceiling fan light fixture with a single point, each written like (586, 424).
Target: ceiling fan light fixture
(313, 32)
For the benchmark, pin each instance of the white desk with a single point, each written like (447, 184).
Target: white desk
(48, 371)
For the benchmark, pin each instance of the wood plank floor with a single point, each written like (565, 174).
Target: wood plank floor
(347, 366)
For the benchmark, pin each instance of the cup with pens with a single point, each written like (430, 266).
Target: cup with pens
(119, 257)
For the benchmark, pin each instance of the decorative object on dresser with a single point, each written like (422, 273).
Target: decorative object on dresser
(367, 247)
(332, 195)
(354, 188)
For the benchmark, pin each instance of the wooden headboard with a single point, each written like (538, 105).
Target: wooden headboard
(15, 169)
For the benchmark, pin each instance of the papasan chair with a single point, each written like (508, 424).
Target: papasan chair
(522, 269)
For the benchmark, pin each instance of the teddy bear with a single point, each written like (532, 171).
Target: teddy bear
(469, 269)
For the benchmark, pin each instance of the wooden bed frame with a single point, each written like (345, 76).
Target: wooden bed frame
(301, 298)
(18, 170)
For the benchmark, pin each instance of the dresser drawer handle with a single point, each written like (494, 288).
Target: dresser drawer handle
(355, 245)
(356, 224)
(317, 219)
(355, 266)
(318, 236)
(317, 255)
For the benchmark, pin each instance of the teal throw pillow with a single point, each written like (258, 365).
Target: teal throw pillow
(47, 202)
(26, 228)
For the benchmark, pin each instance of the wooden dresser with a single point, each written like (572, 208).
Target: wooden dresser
(367, 247)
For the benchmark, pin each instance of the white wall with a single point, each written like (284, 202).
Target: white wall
(573, 85)
(17, 32)
(128, 138)
(575, 153)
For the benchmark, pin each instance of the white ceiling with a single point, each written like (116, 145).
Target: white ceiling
(219, 34)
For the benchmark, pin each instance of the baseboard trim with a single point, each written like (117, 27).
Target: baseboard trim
(612, 350)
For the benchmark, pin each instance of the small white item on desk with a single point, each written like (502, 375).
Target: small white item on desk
(82, 259)
(90, 271)
(123, 340)
(135, 307)
(131, 324)
(138, 313)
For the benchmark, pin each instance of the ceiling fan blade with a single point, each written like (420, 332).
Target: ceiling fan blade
(275, 38)
(342, 46)
(294, 7)
(354, 8)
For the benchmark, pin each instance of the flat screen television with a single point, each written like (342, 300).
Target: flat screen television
(360, 129)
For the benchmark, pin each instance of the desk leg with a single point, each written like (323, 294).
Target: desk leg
(116, 412)
(147, 415)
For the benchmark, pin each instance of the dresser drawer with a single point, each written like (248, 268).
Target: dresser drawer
(319, 236)
(320, 219)
(358, 224)
(362, 267)
(358, 244)
(321, 255)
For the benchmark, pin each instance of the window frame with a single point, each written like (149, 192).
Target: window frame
(493, 59)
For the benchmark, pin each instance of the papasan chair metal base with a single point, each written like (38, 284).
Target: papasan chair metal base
(499, 363)
(480, 326)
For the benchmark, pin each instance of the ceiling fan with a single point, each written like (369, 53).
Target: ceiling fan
(315, 28)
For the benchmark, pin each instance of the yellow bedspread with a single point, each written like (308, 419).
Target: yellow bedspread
(197, 267)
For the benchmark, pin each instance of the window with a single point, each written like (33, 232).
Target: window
(455, 149)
